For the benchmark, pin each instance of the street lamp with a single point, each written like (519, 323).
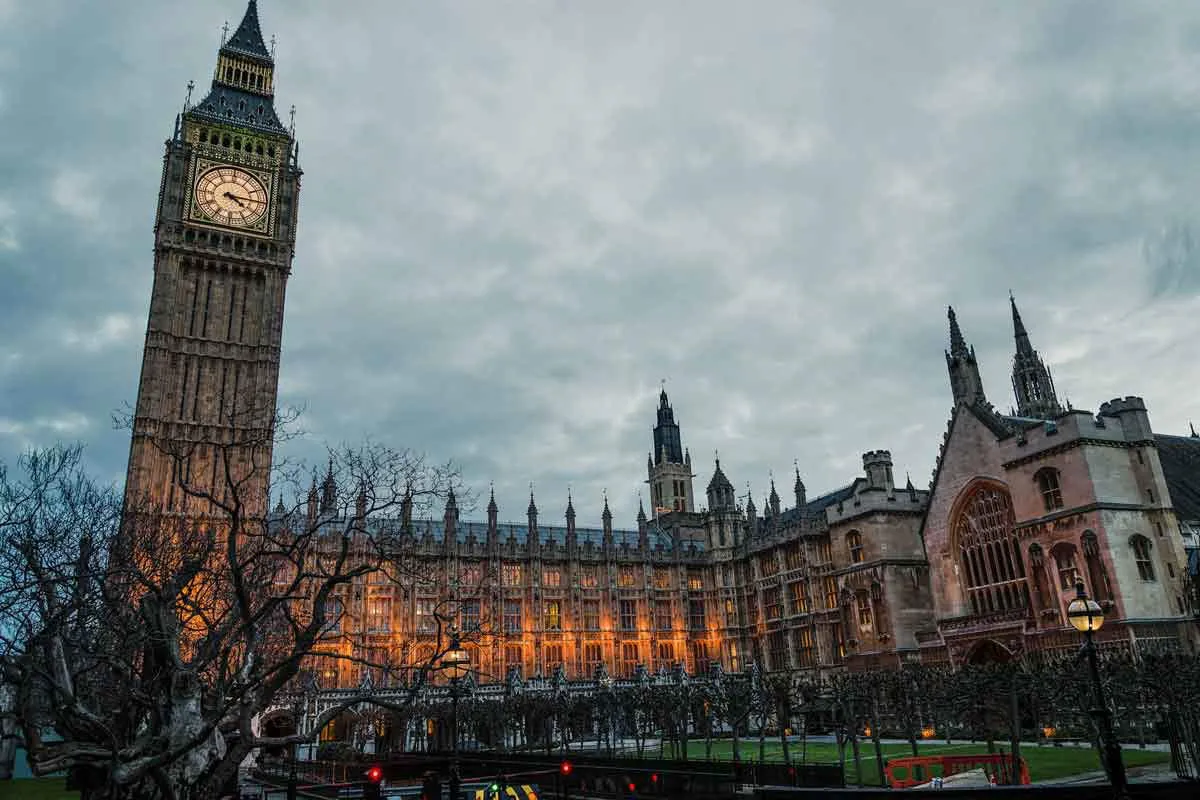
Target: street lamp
(456, 662)
(1086, 616)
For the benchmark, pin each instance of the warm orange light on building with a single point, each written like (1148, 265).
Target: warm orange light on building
(928, 732)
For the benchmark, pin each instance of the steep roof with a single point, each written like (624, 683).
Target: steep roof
(248, 39)
(1180, 457)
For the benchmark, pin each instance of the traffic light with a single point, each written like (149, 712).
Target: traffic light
(372, 789)
(564, 769)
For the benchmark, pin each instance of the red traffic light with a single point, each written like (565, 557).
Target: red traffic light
(654, 777)
(375, 774)
(632, 787)
(565, 768)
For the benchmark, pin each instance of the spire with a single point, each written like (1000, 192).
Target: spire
(606, 515)
(720, 490)
(570, 506)
(798, 488)
(248, 39)
(243, 85)
(1193, 428)
(451, 502)
(668, 446)
(492, 507)
(280, 509)
(773, 499)
(328, 490)
(641, 517)
(958, 345)
(1032, 383)
(532, 510)
(965, 382)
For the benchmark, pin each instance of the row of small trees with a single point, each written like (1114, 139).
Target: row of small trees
(1154, 697)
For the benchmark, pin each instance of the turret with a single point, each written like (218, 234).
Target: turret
(669, 469)
(1032, 382)
(493, 514)
(532, 514)
(329, 492)
(720, 491)
(360, 505)
(313, 500)
(570, 515)
(877, 464)
(606, 521)
(450, 518)
(798, 488)
(1131, 411)
(406, 509)
(773, 500)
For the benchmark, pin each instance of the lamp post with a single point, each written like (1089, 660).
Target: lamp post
(455, 661)
(1086, 616)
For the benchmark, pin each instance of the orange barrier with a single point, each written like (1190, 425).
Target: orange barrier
(905, 772)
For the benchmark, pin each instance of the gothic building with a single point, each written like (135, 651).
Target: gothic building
(978, 566)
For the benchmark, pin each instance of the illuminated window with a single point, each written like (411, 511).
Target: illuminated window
(666, 657)
(335, 610)
(735, 662)
(471, 576)
(824, 550)
(793, 556)
(662, 615)
(626, 578)
(512, 616)
(662, 578)
(696, 614)
(629, 659)
(1141, 556)
(554, 658)
(1064, 561)
(695, 581)
(512, 574)
(551, 578)
(855, 545)
(470, 615)
(767, 565)
(512, 656)
(552, 620)
(730, 613)
(628, 615)
(591, 658)
(1047, 481)
(865, 617)
(805, 652)
(591, 615)
(799, 591)
(771, 603)
(425, 619)
(831, 592)
(588, 579)
(379, 614)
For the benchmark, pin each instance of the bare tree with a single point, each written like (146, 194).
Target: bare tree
(144, 641)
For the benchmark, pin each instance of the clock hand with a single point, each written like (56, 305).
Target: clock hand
(235, 199)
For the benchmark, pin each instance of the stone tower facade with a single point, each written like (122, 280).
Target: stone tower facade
(1032, 383)
(669, 467)
(224, 239)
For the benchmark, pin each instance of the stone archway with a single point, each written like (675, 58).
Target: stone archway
(988, 651)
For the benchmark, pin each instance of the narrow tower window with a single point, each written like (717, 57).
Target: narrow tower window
(854, 543)
(1047, 481)
(1142, 557)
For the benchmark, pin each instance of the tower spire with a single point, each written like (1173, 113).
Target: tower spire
(966, 384)
(248, 38)
(1032, 383)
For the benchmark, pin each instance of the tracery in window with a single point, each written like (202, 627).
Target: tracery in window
(1047, 481)
(1142, 556)
(989, 554)
(855, 545)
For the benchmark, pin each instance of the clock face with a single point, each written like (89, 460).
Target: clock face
(231, 196)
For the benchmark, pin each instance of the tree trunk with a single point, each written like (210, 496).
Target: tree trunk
(1015, 731)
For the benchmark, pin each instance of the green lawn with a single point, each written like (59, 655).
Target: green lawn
(1045, 763)
(36, 789)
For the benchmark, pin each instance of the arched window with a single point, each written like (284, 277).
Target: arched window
(866, 618)
(1142, 557)
(1047, 481)
(1097, 577)
(855, 545)
(1065, 565)
(989, 554)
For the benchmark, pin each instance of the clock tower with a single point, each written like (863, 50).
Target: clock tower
(224, 239)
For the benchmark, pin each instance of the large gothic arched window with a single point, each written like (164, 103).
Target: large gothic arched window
(992, 569)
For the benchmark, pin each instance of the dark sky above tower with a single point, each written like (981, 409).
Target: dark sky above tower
(518, 217)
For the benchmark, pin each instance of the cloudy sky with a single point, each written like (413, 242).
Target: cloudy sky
(518, 217)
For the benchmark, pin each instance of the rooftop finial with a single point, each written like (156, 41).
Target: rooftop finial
(272, 46)
(224, 32)
(1193, 427)
(292, 122)
(187, 101)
